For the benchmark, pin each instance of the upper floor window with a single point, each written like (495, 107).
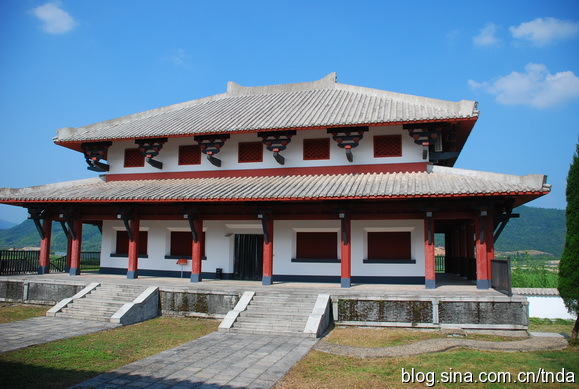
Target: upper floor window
(387, 146)
(189, 155)
(134, 158)
(250, 152)
(316, 148)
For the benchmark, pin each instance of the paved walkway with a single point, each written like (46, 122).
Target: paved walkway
(217, 360)
(44, 329)
(534, 343)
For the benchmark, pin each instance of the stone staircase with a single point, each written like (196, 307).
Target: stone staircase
(273, 313)
(103, 303)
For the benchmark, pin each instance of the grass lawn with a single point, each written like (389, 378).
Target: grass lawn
(66, 362)
(321, 370)
(14, 312)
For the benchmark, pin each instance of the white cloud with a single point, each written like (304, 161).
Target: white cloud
(55, 19)
(542, 32)
(179, 57)
(536, 87)
(487, 36)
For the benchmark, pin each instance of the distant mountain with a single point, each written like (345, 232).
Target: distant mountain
(538, 229)
(26, 235)
(4, 225)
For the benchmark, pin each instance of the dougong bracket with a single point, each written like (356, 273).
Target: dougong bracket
(276, 142)
(150, 149)
(93, 153)
(211, 145)
(348, 138)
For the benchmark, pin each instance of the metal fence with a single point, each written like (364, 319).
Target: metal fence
(18, 262)
(501, 275)
(25, 262)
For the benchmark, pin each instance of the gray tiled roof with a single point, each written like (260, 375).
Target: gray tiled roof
(323, 103)
(536, 291)
(436, 182)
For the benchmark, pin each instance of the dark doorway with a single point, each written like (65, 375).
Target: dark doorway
(248, 257)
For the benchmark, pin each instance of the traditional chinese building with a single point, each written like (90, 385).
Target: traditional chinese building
(316, 181)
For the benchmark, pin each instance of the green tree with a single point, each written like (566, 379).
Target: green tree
(569, 265)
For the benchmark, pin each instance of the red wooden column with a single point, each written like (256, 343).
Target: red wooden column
(44, 265)
(482, 261)
(267, 223)
(196, 246)
(346, 252)
(75, 247)
(490, 241)
(133, 268)
(429, 259)
(68, 252)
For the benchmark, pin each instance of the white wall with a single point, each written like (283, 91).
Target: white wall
(219, 246)
(549, 307)
(363, 154)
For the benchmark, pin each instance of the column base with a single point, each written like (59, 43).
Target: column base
(74, 271)
(430, 284)
(345, 282)
(483, 284)
(43, 269)
(195, 277)
(266, 280)
(132, 274)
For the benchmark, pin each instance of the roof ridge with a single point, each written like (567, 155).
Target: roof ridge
(327, 82)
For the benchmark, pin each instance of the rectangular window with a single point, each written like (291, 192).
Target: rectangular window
(182, 244)
(387, 146)
(122, 246)
(316, 149)
(317, 245)
(250, 152)
(189, 155)
(134, 158)
(388, 245)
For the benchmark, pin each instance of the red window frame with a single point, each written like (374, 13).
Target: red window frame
(134, 158)
(317, 245)
(122, 243)
(249, 152)
(189, 155)
(389, 245)
(387, 146)
(315, 149)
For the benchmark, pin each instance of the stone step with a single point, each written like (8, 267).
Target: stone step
(112, 296)
(284, 299)
(95, 308)
(279, 306)
(286, 315)
(91, 313)
(271, 332)
(249, 321)
(99, 302)
(82, 317)
(268, 327)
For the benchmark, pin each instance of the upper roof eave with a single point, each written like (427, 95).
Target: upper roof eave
(240, 110)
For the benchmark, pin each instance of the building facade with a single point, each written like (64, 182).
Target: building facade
(316, 181)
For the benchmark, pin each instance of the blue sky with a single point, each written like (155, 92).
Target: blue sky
(72, 63)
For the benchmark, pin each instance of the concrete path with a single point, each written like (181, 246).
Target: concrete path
(534, 343)
(44, 329)
(217, 360)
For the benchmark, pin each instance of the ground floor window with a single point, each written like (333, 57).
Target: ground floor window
(122, 245)
(389, 246)
(182, 244)
(316, 245)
